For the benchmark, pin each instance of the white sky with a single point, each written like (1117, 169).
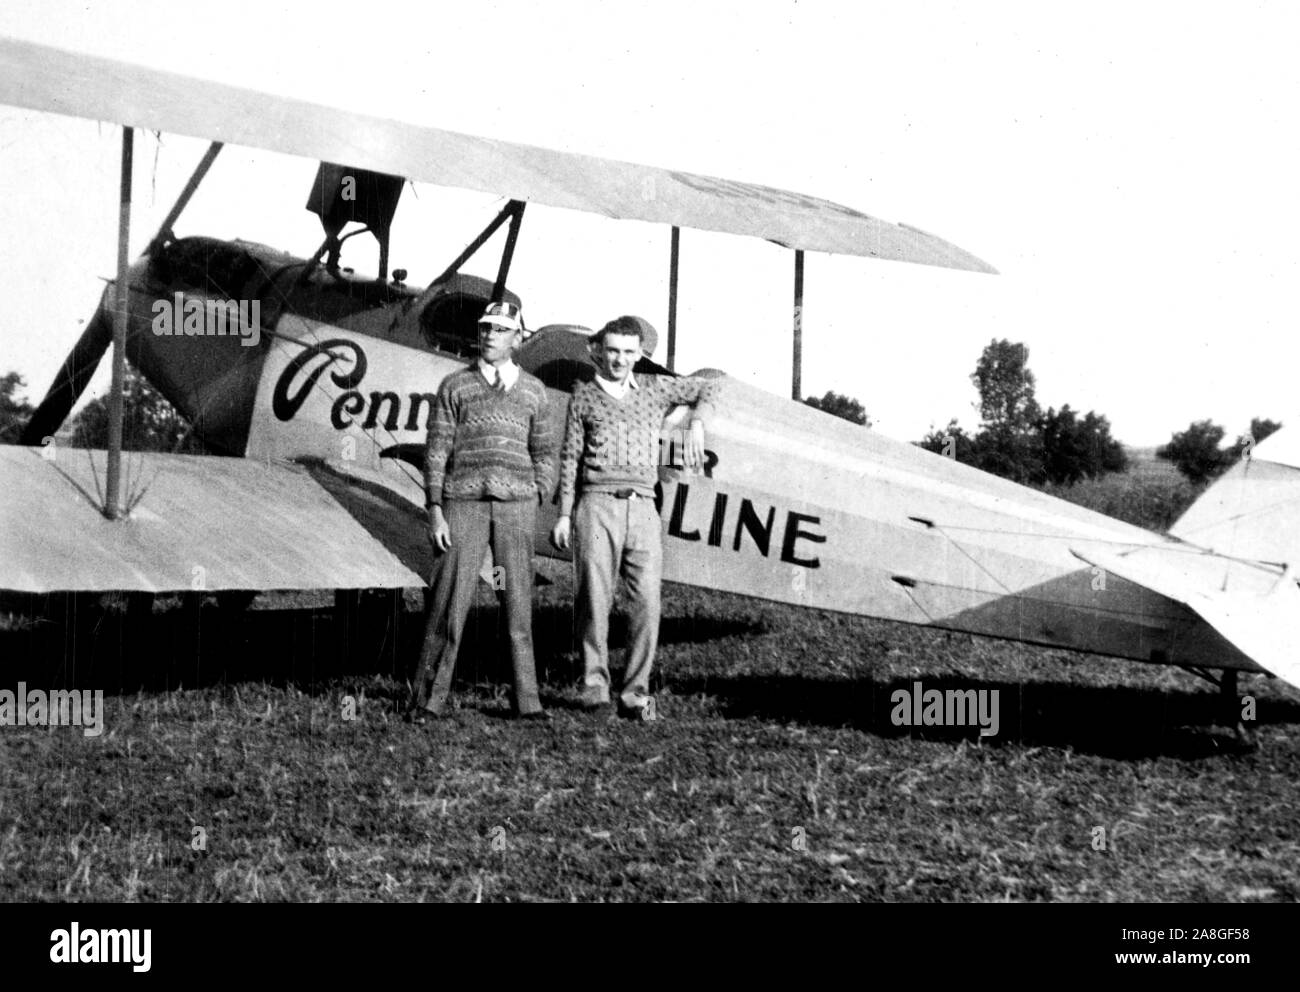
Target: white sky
(1131, 169)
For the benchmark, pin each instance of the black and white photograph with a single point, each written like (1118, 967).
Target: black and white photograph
(776, 452)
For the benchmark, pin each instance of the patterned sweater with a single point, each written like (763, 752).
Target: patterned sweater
(614, 444)
(483, 444)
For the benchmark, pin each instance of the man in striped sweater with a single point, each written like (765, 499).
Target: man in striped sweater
(487, 467)
(609, 464)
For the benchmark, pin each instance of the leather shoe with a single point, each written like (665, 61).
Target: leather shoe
(647, 712)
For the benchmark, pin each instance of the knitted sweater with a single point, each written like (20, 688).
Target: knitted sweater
(614, 444)
(484, 444)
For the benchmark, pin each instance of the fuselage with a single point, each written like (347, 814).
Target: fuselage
(792, 505)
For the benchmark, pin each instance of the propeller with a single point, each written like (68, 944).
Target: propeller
(71, 380)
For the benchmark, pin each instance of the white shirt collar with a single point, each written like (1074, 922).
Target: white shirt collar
(508, 369)
(617, 389)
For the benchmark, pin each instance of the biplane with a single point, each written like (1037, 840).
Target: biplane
(319, 382)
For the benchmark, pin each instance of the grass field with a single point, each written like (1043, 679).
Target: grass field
(776, 773)
(1151, 494)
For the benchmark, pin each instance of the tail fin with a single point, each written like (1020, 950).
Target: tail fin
(1253, 510)
(1246, 527)
(1258, 611)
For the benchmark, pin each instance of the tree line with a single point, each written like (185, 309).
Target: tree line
(1018, 440)
(149, 422)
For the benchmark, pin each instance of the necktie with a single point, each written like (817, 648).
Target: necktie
(500, 384)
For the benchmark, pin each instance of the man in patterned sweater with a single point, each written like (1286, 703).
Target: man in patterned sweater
(610, 463)
(487, 467)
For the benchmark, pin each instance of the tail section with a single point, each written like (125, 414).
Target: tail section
(1237, 568)
(1257, 608)
(1253, 511)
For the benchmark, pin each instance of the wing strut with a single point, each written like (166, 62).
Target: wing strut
(165, 228)
(673, 258)
(114, 470)
(796, 371)
(507, 212)
(516, 219)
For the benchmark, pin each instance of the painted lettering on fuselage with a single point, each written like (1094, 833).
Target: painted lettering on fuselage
(300, 376)
(733, 523)
(750, 527)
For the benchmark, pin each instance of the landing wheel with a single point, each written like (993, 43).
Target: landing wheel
(1230, 710)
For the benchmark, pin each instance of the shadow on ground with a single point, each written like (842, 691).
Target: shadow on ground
(200, 640)
(67, 641)
(1110, 721)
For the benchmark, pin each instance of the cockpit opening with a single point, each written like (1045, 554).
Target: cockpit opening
(449, 321)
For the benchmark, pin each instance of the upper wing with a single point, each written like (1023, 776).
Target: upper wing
(49, 79)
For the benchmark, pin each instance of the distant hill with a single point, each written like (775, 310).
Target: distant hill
(1144, 465)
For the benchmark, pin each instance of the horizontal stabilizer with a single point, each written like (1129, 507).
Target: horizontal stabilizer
(1256, 608)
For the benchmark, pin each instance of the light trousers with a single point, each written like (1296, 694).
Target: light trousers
(507, 526)
(615, 537)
